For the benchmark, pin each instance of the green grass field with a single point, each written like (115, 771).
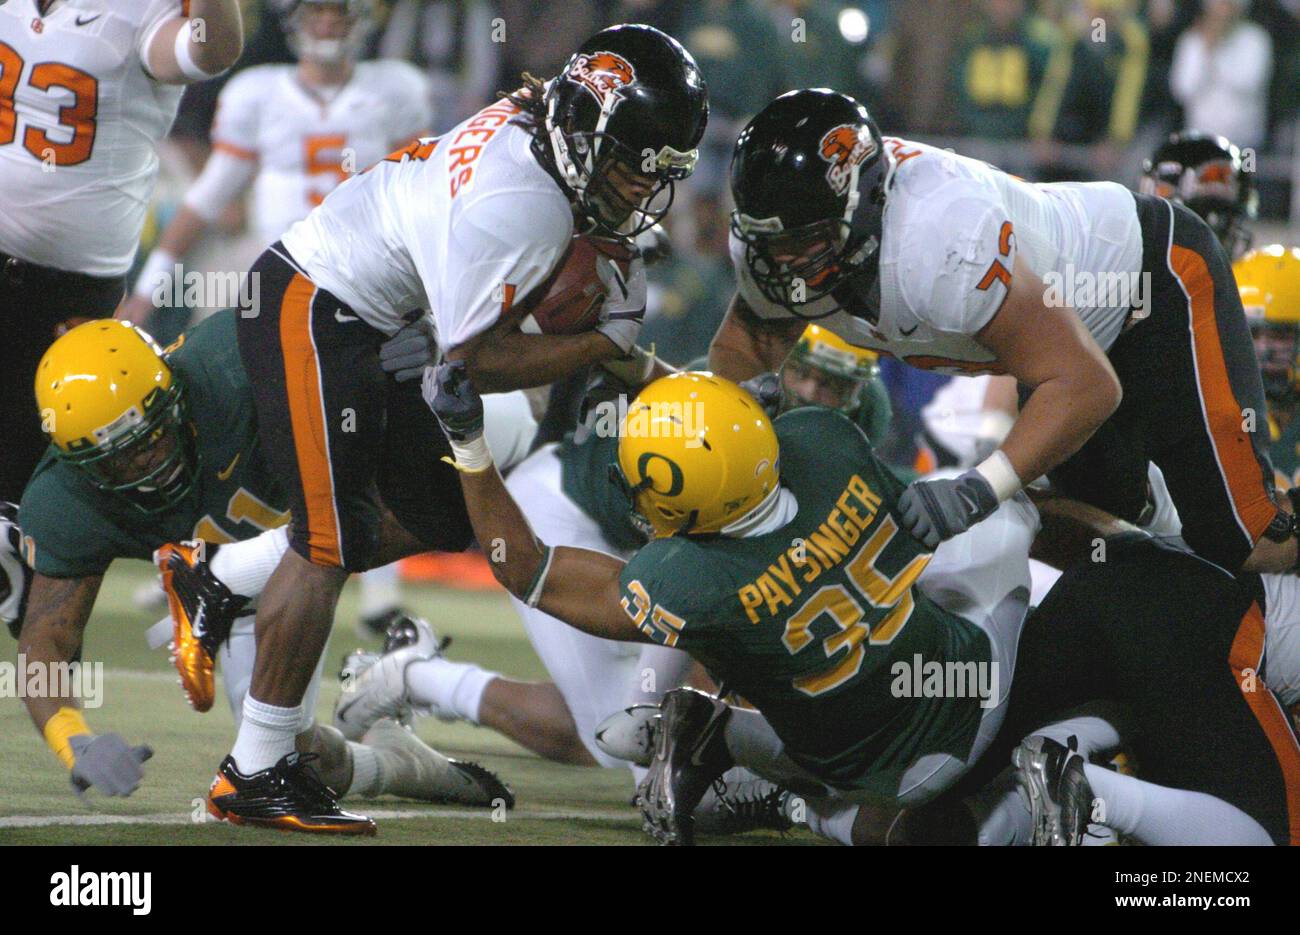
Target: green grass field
(556, 804)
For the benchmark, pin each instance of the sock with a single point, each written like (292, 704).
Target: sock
(1002, 814)
(1095, 734)
(833, 821)
(246, 566)
(367, 772)
(266, 735)
(449, 688)
(380, 591)
(1159, 815)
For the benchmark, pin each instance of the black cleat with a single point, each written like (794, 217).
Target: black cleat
(288, 796)
(1060, 798)
(690, 754)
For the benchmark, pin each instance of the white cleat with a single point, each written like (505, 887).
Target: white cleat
(374, 687)
(630, 734)
(414, 770)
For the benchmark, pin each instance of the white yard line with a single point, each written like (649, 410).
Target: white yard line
(53, 821)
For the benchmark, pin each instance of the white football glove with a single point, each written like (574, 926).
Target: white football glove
(623, 313)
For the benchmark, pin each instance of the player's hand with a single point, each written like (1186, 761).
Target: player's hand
(454, 401)
(407, 353)
(766, 389)
(655, 245)
(934, 511)
(623, 312)
(104, 762)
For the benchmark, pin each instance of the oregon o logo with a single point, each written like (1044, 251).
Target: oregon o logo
(675, 479)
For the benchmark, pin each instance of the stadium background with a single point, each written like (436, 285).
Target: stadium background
(1025, 85)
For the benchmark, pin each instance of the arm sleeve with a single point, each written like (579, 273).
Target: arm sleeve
(223, 179)
(156, 13)
(234, 128)
(960, 285)
(499, 250)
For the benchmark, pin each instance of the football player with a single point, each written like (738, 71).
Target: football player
(1206, 174)
(88, 89)
(1117, 311)
(778, 562)
(293, 133)
(1269, 281)
(463, 225)
(147, 448)
(825, 370)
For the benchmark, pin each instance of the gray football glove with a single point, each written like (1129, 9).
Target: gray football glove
(766, 389)
(454, 401)
(104, 762)
(623, 311)
(407, 353)
(934, 511)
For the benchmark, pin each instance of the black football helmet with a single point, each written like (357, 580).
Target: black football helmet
(809, 176)
(1205, 173)
(631, 96)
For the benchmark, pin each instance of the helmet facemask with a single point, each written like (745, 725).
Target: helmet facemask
(332, 50)
(150, 460)
(1277, 348)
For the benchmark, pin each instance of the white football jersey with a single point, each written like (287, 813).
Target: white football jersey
(305, 143)
(952, 228)
(79, 118)
(460, 224)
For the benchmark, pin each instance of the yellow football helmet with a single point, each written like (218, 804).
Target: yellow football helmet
(1269, 282)
(695, 454)
(110, 404)
(825, 370)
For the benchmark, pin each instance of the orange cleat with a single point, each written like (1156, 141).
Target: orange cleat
(202, 611)
(288, 796)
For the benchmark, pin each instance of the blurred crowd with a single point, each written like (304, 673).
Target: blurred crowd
(1050, 89)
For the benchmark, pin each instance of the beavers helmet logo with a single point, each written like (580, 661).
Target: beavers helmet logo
(603, 74)
(844, 147)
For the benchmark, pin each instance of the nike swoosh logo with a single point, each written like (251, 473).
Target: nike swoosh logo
(225, 475)
(907, 332)
(704, 741)
(86, 22)
(343, 317)
(197, 625)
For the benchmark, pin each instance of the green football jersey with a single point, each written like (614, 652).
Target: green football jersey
(811, 622)
(72, 528)
(584, 473)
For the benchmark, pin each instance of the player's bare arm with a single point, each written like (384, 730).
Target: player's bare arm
(503, 358)
(746, 345)
(57, 612)
(578, 586)
(213, 41)
(1075, 389)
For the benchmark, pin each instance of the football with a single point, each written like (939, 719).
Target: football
(570, 300)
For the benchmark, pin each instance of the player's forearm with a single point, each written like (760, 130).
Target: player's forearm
(746, 345)
(204, 45)
(1060, 415)
(514, 553)
(512, 360)
(182, 233)
(58, 609)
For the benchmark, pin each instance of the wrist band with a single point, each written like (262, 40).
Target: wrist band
(1002, 477)
(185, 59)
(533, 596)
(157, 272)
(472, 457)
(59, 729)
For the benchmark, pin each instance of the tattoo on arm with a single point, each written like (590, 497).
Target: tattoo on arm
(57, 611)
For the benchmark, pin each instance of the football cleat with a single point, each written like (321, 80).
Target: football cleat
(202, 610)
(15, 576)
(740, 801)
(414, 770)
(378, 690)
(630, 734)
(1060, 799)
(288, 796)
(690, 753)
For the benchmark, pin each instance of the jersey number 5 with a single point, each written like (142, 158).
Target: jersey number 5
(846, 613)
(79, 116)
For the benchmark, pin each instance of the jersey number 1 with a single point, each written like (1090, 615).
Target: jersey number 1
(79, 116)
